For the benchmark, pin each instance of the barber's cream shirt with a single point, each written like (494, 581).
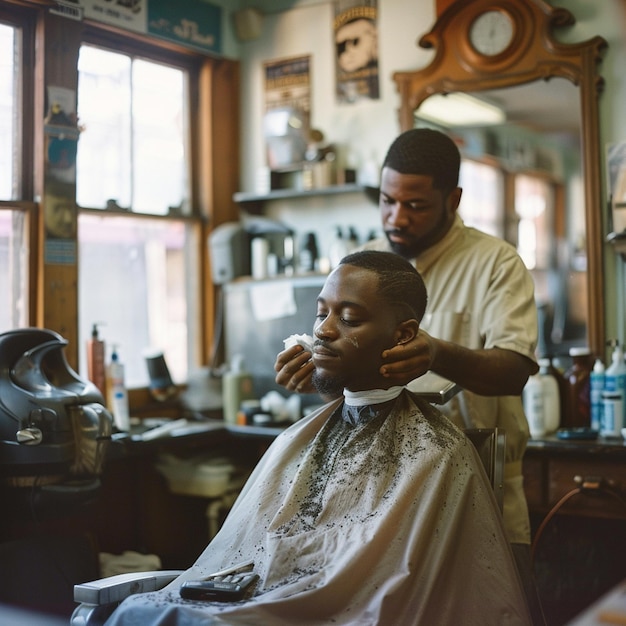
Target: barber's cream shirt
(480, 295)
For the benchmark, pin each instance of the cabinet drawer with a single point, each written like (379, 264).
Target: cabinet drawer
(561, 479)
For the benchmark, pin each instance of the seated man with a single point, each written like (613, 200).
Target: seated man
(374, 509)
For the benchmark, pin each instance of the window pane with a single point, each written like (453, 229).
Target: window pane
(159, 172)
(14, 254)
(103, 161)
(132, 149)
(9, 110)
(534, 204)
(482, 200)
(133, 280)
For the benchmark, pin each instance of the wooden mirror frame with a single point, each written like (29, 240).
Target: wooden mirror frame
(531, 55)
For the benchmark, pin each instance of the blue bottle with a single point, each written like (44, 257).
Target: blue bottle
(615, 381)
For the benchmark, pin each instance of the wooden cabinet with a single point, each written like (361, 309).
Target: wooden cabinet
(553, 468)
(580, 551)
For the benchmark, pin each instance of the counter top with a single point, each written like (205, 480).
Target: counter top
(610, 448)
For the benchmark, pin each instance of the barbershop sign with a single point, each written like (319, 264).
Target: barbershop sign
(191, 23)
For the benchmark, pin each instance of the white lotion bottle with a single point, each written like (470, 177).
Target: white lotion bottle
(533, 400)
(551, 398)
(117, 392)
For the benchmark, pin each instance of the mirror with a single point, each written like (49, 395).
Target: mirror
(551, 91)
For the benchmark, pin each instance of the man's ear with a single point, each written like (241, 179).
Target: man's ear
(407, 331)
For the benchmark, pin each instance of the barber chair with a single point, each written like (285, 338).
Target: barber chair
(98, 599)
(54, 433)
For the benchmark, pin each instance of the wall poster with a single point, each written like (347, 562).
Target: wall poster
(286, 119)
(355, 30)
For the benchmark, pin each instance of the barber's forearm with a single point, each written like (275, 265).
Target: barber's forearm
(491, 372)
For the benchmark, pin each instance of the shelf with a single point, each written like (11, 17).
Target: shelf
(282, 194)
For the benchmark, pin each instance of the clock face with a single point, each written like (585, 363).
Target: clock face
(491, 32)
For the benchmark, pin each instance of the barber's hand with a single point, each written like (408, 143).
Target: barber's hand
(294, 369)
(406, 362)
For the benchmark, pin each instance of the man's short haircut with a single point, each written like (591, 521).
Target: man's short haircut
(426, 152)
(399, 283)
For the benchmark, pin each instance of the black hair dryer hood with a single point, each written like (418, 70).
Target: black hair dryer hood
(53, 424)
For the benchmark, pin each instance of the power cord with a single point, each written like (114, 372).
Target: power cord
(588, 484)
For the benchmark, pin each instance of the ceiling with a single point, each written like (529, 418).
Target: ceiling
(547, 106)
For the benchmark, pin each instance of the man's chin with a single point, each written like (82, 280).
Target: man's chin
(327, 385)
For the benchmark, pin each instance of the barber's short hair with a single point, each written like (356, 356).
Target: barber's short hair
(426, 152)
(399, 283)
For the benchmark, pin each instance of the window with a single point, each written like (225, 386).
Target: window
(482, 202)
(9, 99)
(138, 275)
(534, 205)
(16, 76)
(132, 153)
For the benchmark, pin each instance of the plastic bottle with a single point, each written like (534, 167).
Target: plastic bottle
(309, 254)
(596, 387)
(338, 248)
(615, 383)
(117, 393)
(577, 410)
(96, 366)
(551, 399)
(237, 385)
(533, 401)
(260, 249)
(612, 409)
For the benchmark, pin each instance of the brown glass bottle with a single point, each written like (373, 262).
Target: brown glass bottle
(577, 411)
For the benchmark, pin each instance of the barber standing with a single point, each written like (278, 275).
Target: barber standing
(480, 327)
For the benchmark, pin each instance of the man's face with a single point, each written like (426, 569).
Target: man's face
(356, 45)
(415, 216)
(352, 328)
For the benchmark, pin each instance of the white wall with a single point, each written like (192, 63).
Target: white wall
(365, 128)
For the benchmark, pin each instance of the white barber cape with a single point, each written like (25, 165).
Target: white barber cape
(389, 521)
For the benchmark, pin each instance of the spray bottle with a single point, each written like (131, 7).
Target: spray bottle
(117, 393)
(614, 394)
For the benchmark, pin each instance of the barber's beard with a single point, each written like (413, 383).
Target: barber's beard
(407, 252)
(328, 385)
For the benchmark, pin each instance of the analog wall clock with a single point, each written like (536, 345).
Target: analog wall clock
(491, 32)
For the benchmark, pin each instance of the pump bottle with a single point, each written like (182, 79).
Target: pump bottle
(96, 367)
(551, 398)
(117, 393)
